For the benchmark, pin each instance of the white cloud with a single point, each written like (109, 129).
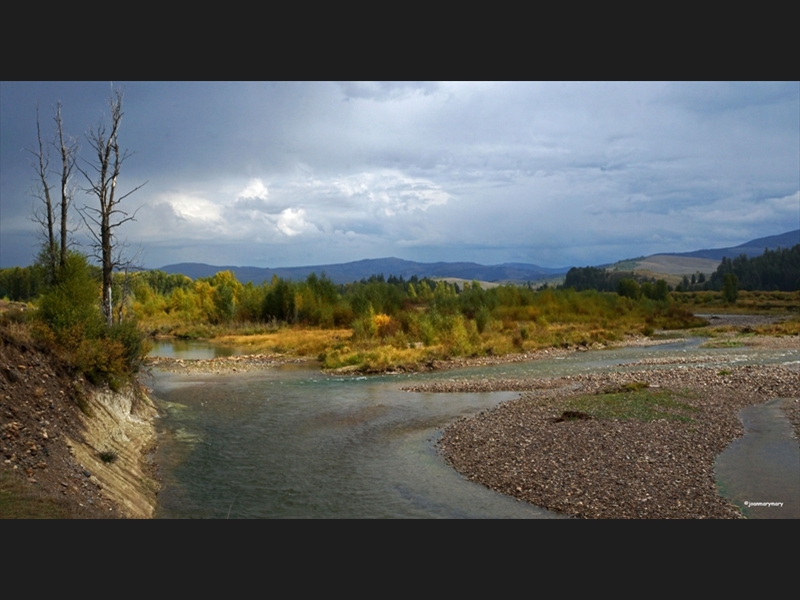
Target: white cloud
(255, 189)
(386, 90)
(193, 208)
(391, 191)
(789, 205)
(292, 222)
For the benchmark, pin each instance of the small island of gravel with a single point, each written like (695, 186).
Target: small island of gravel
(542, 450)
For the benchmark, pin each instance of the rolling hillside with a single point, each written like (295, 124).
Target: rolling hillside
(752, 248)
(670, 266)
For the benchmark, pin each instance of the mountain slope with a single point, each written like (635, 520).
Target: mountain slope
(673, 265)
(752, 248)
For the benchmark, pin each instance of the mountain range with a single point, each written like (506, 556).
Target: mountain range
(506, 272)
(361, 269)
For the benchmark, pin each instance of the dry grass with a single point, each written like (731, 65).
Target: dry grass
(760, 303)
(378, 358)
(789, 327)
(288, 340)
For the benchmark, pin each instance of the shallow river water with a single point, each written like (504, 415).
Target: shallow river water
(291, 442)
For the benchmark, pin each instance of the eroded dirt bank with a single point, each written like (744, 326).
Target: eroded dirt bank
(605, 468)
(84, 448)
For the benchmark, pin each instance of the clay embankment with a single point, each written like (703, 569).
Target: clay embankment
(83, 447)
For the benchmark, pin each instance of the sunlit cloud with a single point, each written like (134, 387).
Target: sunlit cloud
(255, 189)
(193, 208)
(292, 222)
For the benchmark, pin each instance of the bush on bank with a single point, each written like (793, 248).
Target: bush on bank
(69, 320)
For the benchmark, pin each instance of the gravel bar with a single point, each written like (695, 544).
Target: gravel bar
(221, 365)
(593, 468)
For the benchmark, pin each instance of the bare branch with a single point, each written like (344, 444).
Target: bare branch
(45, 216)
(138, 187)
(68, 149)
(106, 216)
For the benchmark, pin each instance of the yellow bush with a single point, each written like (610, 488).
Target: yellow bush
(100, 358)
(383, 324)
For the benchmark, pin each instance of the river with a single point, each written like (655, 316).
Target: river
(290, 442)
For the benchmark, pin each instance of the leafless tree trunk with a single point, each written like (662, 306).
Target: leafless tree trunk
(104, 219)
(45, 215)
(68, 150)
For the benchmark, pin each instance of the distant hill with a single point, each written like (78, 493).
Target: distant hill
(361, 269)
(673, 265)
(752, 248)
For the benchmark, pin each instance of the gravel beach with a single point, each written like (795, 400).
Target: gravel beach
(222, 365)
(596, 468)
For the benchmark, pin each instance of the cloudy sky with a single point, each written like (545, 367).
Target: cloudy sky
(291, 174)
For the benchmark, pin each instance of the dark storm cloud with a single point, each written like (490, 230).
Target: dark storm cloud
(276, 174)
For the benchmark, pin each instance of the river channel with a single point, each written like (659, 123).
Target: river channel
(291, 442)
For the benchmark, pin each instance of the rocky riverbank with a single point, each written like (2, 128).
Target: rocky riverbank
(222, 365)
(537, 450)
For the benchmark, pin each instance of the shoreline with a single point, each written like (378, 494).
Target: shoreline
(222, 365)
(71, 449)
(243, 363)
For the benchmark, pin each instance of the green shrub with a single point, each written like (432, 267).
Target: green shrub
(69, 317)
(135, 345)
(108, 456)
(730, 289)
(71, 307)
(100, 358)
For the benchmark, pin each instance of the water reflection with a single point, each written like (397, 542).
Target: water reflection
(190, 350)
(760, 472)
(311, 446)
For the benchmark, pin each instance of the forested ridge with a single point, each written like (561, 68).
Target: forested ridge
(775, 270)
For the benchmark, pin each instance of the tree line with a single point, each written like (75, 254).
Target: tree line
(775, 270)
(624, 283)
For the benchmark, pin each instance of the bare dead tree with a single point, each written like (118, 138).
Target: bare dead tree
(104, 219)
(68, 149)
(45, 215)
